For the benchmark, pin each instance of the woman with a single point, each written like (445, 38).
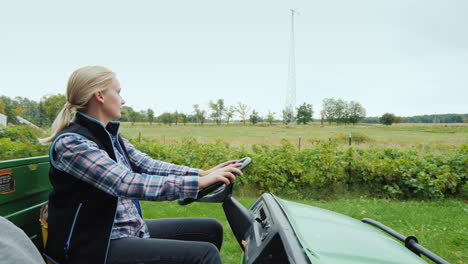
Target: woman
(99, 177)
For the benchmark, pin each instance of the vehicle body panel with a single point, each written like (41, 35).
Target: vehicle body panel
(330, 237)
(31, 187)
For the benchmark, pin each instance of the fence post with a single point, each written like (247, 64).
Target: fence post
(348, 169)
(299, 143)
(139, 137)
(349, 161)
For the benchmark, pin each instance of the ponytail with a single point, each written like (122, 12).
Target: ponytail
(62, 120)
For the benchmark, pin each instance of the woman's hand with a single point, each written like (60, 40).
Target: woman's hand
(223, 174)
(222, 165)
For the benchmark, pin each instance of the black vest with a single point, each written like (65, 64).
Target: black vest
(80, 216)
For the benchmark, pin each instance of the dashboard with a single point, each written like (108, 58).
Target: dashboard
(271, 239)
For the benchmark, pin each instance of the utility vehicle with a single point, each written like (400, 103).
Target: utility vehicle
(273, 230)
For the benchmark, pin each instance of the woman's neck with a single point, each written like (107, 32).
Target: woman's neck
(98, 115)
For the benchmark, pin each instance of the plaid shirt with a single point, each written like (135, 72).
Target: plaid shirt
(153, 179)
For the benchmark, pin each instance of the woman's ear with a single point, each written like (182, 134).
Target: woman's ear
(99, 96)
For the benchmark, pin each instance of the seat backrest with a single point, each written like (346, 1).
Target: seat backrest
(15, 245)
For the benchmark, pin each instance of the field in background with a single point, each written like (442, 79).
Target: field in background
(402, 135)
(439, 225)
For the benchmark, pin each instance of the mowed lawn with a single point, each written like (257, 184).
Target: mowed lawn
(402, 135)
(440, 226)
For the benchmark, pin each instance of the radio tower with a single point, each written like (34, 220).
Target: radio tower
(291, 85)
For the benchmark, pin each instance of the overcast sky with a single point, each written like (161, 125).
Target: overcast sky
(408, 57)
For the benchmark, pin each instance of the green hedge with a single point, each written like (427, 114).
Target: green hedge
(326, 169)
(20, 142)
(410, 173)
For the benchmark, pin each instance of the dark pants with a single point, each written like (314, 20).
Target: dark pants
(173, 241)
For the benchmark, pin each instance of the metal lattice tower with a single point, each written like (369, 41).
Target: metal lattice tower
(291, 85)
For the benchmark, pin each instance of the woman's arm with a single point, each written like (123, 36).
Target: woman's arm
(145, 164)
(83, 159)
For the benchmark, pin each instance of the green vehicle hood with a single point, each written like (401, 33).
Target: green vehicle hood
(330, 237)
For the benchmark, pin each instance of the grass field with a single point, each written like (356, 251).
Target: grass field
(439, 225)
(402, 135)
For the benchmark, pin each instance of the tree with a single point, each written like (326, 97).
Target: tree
(230, 113)
(19, 111)
(2, 106)
(270, 117)
(182, 118)
(167, 118)
(304, 113)
(288, 116)
(132, 116)
(128, 114)
(444, 118)
(328, 111)
(254, 117)
(398, 119)
(52, 105)
(371, 120)
(218, 110)
(7, 104)
(42, 118)
(125, 113)
(387, 119)
(191, 119)
(29, 110)
(355, 112)
(199, 114)
(142, 116)
(340, 111)
(150, 115)
(242, 110)
(176, 117)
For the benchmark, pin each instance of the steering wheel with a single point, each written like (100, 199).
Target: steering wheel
(207, 190)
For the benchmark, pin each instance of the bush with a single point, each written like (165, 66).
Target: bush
(407, 173)
(20, 142)
(326, 169)
(23, 134)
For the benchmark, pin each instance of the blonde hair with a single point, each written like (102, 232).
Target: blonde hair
(82, 84)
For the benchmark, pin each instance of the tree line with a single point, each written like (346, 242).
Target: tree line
(218, 112)
(43, 113)
(338, 111)
(40, 113)
(390, 118)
